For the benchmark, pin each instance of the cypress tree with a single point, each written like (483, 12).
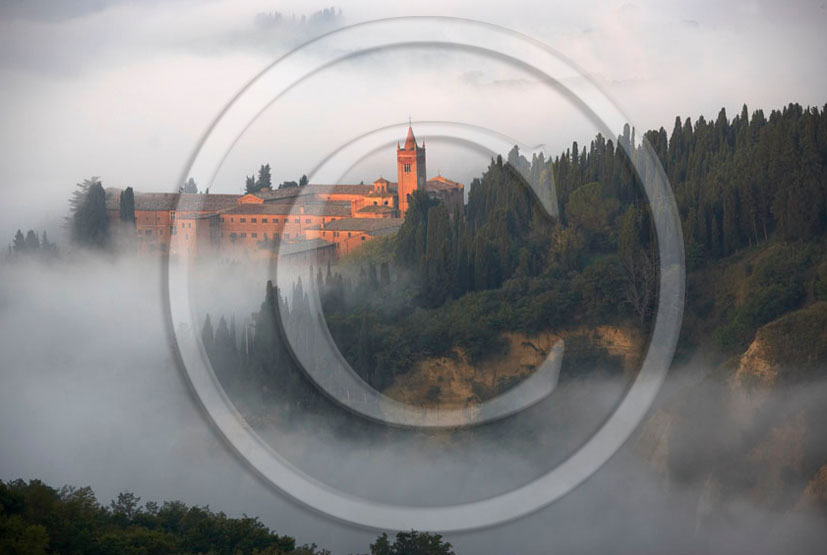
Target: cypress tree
(127, 206)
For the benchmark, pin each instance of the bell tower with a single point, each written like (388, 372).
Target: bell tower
(410, 166)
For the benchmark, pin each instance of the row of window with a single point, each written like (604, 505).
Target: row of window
(264, 220)
(254, 235)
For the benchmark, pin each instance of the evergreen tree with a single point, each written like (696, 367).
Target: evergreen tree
(90, 222)
(264, 179)
(19, 245)
(250, 187)
(190, 186)
(127, 206)
(208, 335)
(32, 242)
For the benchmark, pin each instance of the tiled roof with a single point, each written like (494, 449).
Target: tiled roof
(286, 249)
(363, 224)
(343, 189)
(440, 183)
(174, 201)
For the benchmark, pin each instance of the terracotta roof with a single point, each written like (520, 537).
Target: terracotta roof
(440, 183)
(367, 225)
(174, 201)
(410, 140)
(286, 249)
(342, 189)
(446, 180)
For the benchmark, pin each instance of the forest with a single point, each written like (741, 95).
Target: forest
(751, 194)
(38, 519)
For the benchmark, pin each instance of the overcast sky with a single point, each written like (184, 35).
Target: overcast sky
(123, 89)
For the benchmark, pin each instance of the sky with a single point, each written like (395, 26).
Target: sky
(124, 90)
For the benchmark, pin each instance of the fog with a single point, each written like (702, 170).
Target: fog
(91, 396)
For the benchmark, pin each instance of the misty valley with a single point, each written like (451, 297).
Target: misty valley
(458, 306)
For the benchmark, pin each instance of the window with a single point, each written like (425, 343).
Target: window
(172, 214)
(244, 234)
(232, 220)
(386, 203)
(307, 220)
(264, 220)
(297, 220)
(243, 220)
(362, 237)
(254, 234)
(222, 220)
(189, 226)
(275, 220)
(252, 220)
(407, 168)
(182, 225)
(349, 234)
(265, 235)
(287, 236)
(375, 203)
(148, 232)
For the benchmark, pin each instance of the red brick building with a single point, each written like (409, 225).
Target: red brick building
(321, 218)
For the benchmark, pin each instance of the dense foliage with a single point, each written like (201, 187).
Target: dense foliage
(35, 518)
(89, 220)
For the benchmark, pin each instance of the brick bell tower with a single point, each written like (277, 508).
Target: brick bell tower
(410, 166)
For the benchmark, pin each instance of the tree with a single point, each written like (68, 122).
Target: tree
(32, 242)
(126, 206)
(250, 186)
(208, 335)
(48, 248)
(411, 543)
(90, 222)
(190, 186)
(264, 180)
(19, 242)
(303, 181)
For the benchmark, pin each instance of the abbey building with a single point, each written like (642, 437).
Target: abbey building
(331, 219)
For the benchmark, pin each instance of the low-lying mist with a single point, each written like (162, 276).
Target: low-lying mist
(90, 395)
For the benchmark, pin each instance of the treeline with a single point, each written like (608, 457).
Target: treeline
(737, 182)
(264, 181)
(32, 244)
(37, 519)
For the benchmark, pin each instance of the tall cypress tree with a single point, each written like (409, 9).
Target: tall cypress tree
(127, 206)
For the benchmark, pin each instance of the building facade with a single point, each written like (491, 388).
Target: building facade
(333, 218)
